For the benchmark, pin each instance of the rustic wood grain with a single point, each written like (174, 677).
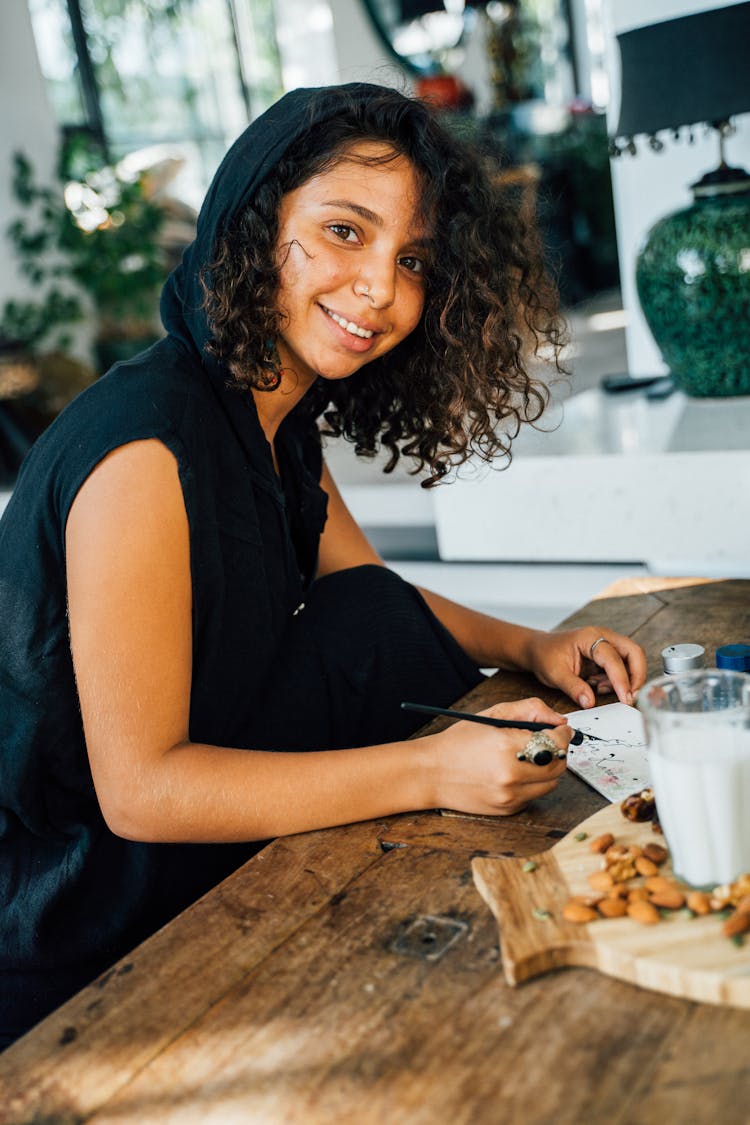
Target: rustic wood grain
(648, 584)
(283, 996)
(626, 614)
(681, 956)
(76, 1058)
(338, 1027)
(701, 1075)
(373, 1035)
(711, 615)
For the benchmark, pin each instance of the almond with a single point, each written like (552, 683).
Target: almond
(601, 843)
(643, 912)
(612, 907)
(586, 900)
(658, 883)
(656, 853)
(699, 902)
(743, 906)
(645, 866)
(637, 894)
(577, 913)
(736, 924)
(669, 899)
(600, 881)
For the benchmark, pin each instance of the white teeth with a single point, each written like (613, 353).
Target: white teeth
(350, 326)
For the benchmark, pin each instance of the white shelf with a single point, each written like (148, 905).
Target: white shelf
(620, 479)
(532, 594)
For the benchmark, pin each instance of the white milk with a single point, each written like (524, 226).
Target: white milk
(701, 780)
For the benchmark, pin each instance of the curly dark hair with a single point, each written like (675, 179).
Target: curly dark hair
(459, 383)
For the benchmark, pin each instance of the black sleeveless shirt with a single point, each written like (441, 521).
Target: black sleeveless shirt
(74, 896)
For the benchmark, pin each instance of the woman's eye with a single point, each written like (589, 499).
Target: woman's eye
(414, 265)
(344, 232)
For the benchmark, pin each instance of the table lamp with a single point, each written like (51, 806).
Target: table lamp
(693, 270)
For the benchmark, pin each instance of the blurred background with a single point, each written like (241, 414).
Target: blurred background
(115, 114)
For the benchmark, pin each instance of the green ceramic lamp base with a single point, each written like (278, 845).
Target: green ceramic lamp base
(693, 279)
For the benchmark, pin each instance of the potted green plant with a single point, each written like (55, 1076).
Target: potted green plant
(95, 233)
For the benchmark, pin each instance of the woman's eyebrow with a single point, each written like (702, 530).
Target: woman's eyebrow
(371, 217)
(363, 212)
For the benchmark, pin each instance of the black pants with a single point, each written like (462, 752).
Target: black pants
(365, 641)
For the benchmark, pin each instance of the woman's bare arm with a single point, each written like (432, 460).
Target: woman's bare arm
(129, 594)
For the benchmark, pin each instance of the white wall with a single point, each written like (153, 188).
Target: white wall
(650, 185)
(26, 122)
(304, 32)
(361, 56)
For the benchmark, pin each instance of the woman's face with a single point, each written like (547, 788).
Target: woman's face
(353, 257)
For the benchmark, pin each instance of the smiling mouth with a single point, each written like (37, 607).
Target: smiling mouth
(349, 325)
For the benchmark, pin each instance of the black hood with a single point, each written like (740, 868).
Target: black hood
(244, 168)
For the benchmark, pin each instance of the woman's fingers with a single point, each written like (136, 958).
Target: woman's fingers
(584, 662)
(480, 771)
(622, 662)
(532, 781)
(603, 661)
(526, 795)
(530, 710)
(559, 737)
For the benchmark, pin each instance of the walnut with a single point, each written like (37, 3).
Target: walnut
(639, 806)
(622, 870)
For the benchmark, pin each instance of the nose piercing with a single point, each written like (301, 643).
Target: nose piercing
(362, 290)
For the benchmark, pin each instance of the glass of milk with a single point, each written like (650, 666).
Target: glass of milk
(698, 733)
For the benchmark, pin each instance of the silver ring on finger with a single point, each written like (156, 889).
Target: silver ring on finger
(540, 750)
(598, 641)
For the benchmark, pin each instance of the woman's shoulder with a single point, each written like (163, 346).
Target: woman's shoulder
(155, 387)
(156, 395)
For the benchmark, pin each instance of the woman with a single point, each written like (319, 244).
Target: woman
(183, 591)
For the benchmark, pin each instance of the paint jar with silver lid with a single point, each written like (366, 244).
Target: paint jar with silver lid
(683, 658)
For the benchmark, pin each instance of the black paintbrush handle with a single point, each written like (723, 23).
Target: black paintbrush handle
(504, 724)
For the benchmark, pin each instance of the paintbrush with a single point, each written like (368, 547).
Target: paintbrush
(504, 724)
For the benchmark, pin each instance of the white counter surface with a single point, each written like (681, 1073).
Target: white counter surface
(615, 478)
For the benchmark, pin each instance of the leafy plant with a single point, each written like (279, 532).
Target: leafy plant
(98, 233)
(33, 322)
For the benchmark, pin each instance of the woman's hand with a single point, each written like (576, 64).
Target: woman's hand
(584, 662)
(477, 770)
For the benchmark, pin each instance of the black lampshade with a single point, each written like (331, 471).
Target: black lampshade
(684, 71)
(413, 9)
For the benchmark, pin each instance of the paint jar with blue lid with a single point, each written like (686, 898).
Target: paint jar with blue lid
(735, 657)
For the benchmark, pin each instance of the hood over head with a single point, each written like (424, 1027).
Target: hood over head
(244, 168)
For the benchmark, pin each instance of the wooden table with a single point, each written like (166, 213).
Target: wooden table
(307, 987)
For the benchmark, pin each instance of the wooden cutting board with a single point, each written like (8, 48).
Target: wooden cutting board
(679, 955)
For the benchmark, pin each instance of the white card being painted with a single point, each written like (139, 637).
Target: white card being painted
(615, 762)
